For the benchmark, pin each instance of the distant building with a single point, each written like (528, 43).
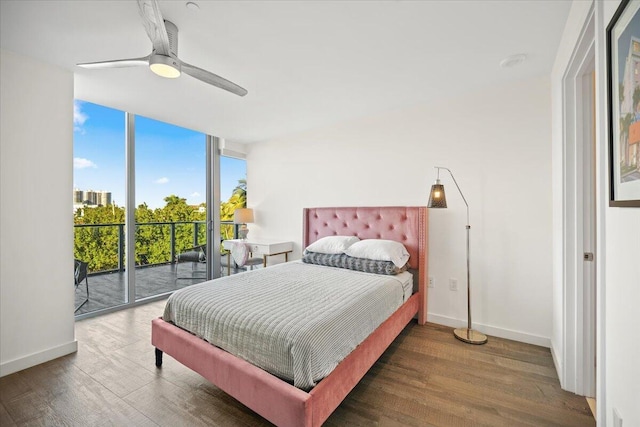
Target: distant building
(90, 198)
(77, 196)
(103, 198)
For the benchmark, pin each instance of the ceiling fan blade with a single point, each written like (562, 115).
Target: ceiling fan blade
(116, 63)
(154, 25)
(213, 79)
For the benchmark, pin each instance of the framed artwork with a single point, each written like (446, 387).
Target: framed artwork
(623, 69)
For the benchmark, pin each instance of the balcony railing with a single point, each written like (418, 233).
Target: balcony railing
(157, 243)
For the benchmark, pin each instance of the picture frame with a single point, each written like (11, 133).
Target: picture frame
(623, 75)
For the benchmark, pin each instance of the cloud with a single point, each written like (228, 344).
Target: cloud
(194, 195)
(162, 180)
(78, 117)
(80, 163)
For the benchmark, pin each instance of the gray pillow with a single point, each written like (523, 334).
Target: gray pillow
(352, 263)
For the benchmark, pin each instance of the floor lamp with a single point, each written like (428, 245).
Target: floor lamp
(437, 200)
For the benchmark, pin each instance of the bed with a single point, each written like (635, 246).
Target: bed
(277, 399)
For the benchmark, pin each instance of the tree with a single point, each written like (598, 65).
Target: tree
(96, 239)
(241, 188)
(237, 200)
(176, 209)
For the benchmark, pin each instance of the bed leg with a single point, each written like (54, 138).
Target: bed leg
(158, 357)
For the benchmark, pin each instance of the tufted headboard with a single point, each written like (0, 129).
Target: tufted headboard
(407, 225)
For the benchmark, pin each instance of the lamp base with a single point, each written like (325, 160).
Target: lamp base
(242, 232)
(470, 336)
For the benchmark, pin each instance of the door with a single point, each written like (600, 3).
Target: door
(579, 219)
(589, 273)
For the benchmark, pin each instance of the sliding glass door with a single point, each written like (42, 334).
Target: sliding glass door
(170, 207)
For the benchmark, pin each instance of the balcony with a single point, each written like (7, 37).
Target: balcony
(156, 270)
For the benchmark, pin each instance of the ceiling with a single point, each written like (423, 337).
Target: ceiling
(306, 64)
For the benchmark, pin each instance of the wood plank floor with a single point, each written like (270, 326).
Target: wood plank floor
(426, 378)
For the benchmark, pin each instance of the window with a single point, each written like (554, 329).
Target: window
(167, 173)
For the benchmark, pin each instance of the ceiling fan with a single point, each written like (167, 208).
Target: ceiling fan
(163, 59)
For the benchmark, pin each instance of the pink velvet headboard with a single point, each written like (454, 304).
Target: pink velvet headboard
(407, 225)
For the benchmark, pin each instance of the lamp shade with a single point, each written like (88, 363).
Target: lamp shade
(437, 197)
(243, 216)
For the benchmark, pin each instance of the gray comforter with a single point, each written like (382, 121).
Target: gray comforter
(295, 320)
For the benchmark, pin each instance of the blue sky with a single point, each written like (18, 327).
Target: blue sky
(169, 159)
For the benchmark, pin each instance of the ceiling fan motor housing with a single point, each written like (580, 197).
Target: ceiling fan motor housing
(172, 35)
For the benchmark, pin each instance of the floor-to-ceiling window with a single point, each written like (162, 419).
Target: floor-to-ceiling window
(162, 173)
(98, 204)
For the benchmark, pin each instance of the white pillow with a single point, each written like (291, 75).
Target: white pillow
(380, 250)
(332, 244)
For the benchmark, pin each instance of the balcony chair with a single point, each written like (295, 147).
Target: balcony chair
(195, 255)
(198, 254)
(80, 274)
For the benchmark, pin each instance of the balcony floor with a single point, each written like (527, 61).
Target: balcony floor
(108, 290)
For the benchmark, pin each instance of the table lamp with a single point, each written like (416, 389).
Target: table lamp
(243, 216)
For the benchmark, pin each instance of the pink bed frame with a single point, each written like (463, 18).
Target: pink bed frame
(274, 399)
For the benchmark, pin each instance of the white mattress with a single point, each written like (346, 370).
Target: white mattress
(295, 320)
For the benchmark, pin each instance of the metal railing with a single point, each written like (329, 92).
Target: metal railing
(100, 239)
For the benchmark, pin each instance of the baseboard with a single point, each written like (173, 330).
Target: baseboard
(491, 330)
(34, 359)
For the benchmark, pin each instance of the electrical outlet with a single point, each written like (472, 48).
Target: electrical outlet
(453, 284)
(432, 282)
(617, 419)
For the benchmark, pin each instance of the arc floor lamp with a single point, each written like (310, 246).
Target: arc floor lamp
(437, 199)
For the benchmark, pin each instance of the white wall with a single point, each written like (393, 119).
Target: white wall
(618, 352)
(622, 387)
(622, 275)
(36, 234)
(496, 142)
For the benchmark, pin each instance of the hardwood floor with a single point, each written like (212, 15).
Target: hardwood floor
(426, 378)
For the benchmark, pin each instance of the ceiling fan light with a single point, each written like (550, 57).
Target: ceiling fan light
(164, 66)
(164, 70)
